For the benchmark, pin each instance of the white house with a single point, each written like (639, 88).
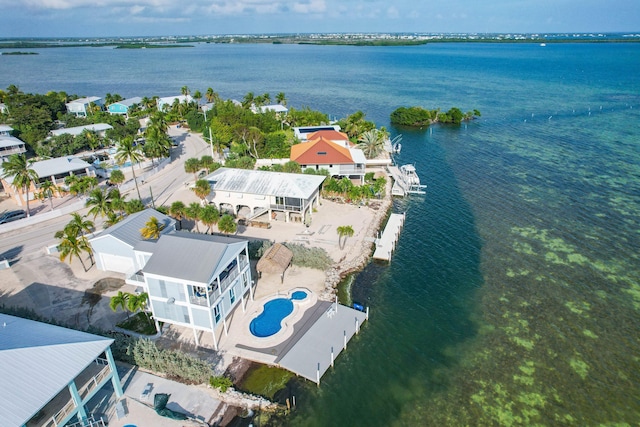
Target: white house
(332, 151)
(5, 130)
(80, 106)
(50, 373)
(195, 280)
(169, 100)
(278, 108)
(114, 247)
(10, 145)
(259, 192)
(99, 128)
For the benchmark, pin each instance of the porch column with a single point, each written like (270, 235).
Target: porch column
(82, 413)
(115, 378)
(195, 335)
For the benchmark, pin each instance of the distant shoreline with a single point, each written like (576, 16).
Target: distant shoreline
(318, 39)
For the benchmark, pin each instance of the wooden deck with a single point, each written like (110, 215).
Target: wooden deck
(386, 244)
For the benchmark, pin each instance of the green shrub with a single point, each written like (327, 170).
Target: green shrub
(303, 256)
(257, 248)
(222, 383)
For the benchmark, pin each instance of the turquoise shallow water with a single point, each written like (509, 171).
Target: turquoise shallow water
(514, 294)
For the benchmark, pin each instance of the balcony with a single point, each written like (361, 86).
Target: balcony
(136, 279)
(289, 208)
(62, 406)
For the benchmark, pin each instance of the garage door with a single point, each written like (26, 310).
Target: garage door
(116, 263)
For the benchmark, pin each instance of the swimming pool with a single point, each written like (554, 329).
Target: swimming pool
(269, 322)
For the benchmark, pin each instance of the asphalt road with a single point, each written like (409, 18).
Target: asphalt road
(167, 186)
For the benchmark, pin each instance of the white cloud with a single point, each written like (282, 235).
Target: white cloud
(393, 13)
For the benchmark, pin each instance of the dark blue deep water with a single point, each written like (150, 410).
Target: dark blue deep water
(514, 295)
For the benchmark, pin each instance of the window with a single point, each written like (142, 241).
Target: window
(232, 295)
(216, 313)
(322, 153)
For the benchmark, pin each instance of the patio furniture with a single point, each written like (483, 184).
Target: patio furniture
(121, 411)
(146, 392)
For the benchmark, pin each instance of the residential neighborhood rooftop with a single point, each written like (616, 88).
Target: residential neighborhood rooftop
(265, 183)
(98, 127)
(37, 361)
(128, 230)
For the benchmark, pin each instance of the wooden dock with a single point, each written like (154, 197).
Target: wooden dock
(386, 244)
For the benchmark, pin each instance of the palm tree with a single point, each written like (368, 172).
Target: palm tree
(19, 168)
(127, 150)
(281, 98)
(344, 231)
(209, 215)
(79, 225)
(202, 189)
(227, 224)
(177, 210)
(48, 188)
(371, 143)
(192, 212)
(192, 165)
(247, 101)
(71, 245)
(185, 90)
(133, 206)
(120, 300)
(197, 95)
(100, 202)
(152, 229)
(116, 177)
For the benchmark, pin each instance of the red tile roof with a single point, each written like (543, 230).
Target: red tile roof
(311, 153)
(331, 135)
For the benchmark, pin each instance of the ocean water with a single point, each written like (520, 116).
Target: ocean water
(514, 295)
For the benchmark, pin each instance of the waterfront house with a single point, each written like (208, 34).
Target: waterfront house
(123, 107)
(258, 192)
(301, 133)
(54, 170)
(278, 108)
(331, 151)
(9, 144)
(99, 128)
(3, 108)
(82, 106)
(195, 280)
(168, 101)
(50, 373)
(114, 247)
(5, 130)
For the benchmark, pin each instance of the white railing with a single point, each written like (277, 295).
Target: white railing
(94, 382)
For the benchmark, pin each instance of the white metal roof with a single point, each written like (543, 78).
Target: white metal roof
(128, 230)
(129, 101)
(5, 128)
(265, 183)
(59, 165)
(192, 256)
(37, 361)
(98, 127)
(278, 108)
(9, 141)
(85, 101)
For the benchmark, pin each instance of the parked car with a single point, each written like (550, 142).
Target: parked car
(12, 216)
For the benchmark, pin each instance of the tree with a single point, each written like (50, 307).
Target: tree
(192, 212)
(19, 169)
(209, 215)
(152, 229)
(126, 149)
(344, 231)
(202, 189)
(281, 98)
(371, 143)
(185, 90)
(48, 188)
(192, 165)
(227, 224)
(133, 206)
(99, 201)
(79, 225)
(72, 245)
(120, 300)
(137, 303)
(116, 177)
(178, 211)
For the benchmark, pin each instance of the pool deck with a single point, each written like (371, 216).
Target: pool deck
(308, 337)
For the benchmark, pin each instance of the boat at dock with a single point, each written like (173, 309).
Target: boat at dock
(405, 181)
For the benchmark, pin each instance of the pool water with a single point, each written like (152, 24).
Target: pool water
(269, 322)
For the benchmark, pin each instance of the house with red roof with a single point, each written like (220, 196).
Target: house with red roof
(330, 150)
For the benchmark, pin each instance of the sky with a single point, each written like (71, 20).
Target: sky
(103, 18)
